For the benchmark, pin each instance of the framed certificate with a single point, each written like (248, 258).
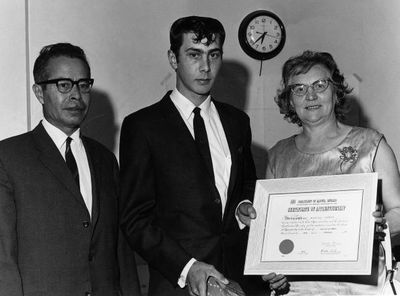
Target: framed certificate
(313, 225)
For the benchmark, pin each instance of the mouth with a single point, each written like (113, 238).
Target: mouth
(76, 109)
(203, 81)
(313, 107)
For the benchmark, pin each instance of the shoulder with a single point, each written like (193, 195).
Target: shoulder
(229, 109)
(235, 116)
(16, 144)
(281, 145)
(366, 132)
(150, 113)
(96, 149)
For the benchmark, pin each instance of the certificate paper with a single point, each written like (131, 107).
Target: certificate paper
(313, 225)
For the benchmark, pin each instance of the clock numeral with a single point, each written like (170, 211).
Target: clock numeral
(252, 27)
(257, 22)
(276, 41)
(263, 20)
(275, 27)
(264, 48)
(278, 34)
(270, 46)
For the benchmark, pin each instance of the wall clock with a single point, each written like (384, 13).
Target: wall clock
(262, 35)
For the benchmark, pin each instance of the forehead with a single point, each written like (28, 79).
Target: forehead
(66, 67)
(316, 72)
(189, 41)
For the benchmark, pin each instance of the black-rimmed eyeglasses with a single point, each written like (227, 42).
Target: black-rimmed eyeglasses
(65, 85)
(317, 86)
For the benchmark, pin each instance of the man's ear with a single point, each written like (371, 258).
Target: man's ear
(173, 61)
(37, 89)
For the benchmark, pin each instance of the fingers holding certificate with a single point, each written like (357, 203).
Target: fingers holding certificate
(313, 225)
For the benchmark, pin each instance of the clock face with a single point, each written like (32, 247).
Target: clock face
(262, 34)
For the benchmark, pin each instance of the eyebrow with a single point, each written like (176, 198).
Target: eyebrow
(202, 51)
(326, 78)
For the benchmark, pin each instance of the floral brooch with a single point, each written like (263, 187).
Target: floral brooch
(348, 154)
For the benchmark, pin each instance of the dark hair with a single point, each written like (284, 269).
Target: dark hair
(301, 64)
(52, 51)
(202, 27)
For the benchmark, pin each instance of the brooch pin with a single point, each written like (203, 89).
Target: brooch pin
(348, 154)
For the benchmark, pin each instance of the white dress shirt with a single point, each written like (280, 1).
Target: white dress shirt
(78, 150)
(219, 149)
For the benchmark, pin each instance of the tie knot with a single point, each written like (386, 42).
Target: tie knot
(68, 141)
(196, 111)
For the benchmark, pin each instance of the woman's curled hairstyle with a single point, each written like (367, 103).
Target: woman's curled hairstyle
(301, 64)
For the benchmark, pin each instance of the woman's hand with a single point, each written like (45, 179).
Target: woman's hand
(380, 223)
(277, 283)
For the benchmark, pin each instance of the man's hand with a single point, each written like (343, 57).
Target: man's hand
(198, 275)
(246, 212)
(277, 283)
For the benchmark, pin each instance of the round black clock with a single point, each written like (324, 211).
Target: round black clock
(262, 35)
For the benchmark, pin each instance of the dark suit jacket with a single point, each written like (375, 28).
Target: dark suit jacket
(171, 209)
(49, 245)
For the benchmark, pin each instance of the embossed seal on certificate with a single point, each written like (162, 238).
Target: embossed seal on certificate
(286, 246)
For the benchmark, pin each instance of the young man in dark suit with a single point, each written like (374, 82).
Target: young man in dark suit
(186, 165)
(59, 192)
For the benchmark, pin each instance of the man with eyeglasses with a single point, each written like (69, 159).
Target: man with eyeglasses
(59, 192)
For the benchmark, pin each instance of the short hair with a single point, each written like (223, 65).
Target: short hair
(202, 27)
(301, 64)
(52, 51)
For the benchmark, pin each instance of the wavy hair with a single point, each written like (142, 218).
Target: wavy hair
(301, 64)
(202, 27)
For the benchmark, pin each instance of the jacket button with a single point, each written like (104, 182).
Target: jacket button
(85, 224)
(88, 294)
(217, 201)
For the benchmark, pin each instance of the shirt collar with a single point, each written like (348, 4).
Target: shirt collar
(57, 135)
(186, 106)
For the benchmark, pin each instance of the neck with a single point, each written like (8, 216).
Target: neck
(196, 99)
(323, 130)
(317, 139)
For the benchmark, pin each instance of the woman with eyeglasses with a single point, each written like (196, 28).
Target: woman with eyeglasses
(313, 97)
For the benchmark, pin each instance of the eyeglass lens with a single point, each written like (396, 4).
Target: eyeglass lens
(65, 85)
(317, 86)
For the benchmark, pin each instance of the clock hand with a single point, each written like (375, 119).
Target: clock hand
(271, 35)
(261, 37)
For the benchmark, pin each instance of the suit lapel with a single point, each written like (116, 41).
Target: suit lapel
(229, 129)
(182, 135)
(174, 118)
(95, 174)
(51, 158)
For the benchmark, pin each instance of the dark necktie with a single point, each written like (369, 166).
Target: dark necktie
(200, 136)
(70, 160)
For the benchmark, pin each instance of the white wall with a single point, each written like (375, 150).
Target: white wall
(14, 114)
(126, 43)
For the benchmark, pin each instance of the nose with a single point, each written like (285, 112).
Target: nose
(75, 92)
(205, 64)
(311, 94)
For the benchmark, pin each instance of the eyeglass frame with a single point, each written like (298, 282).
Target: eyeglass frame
(56, 81)
(329, 80)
